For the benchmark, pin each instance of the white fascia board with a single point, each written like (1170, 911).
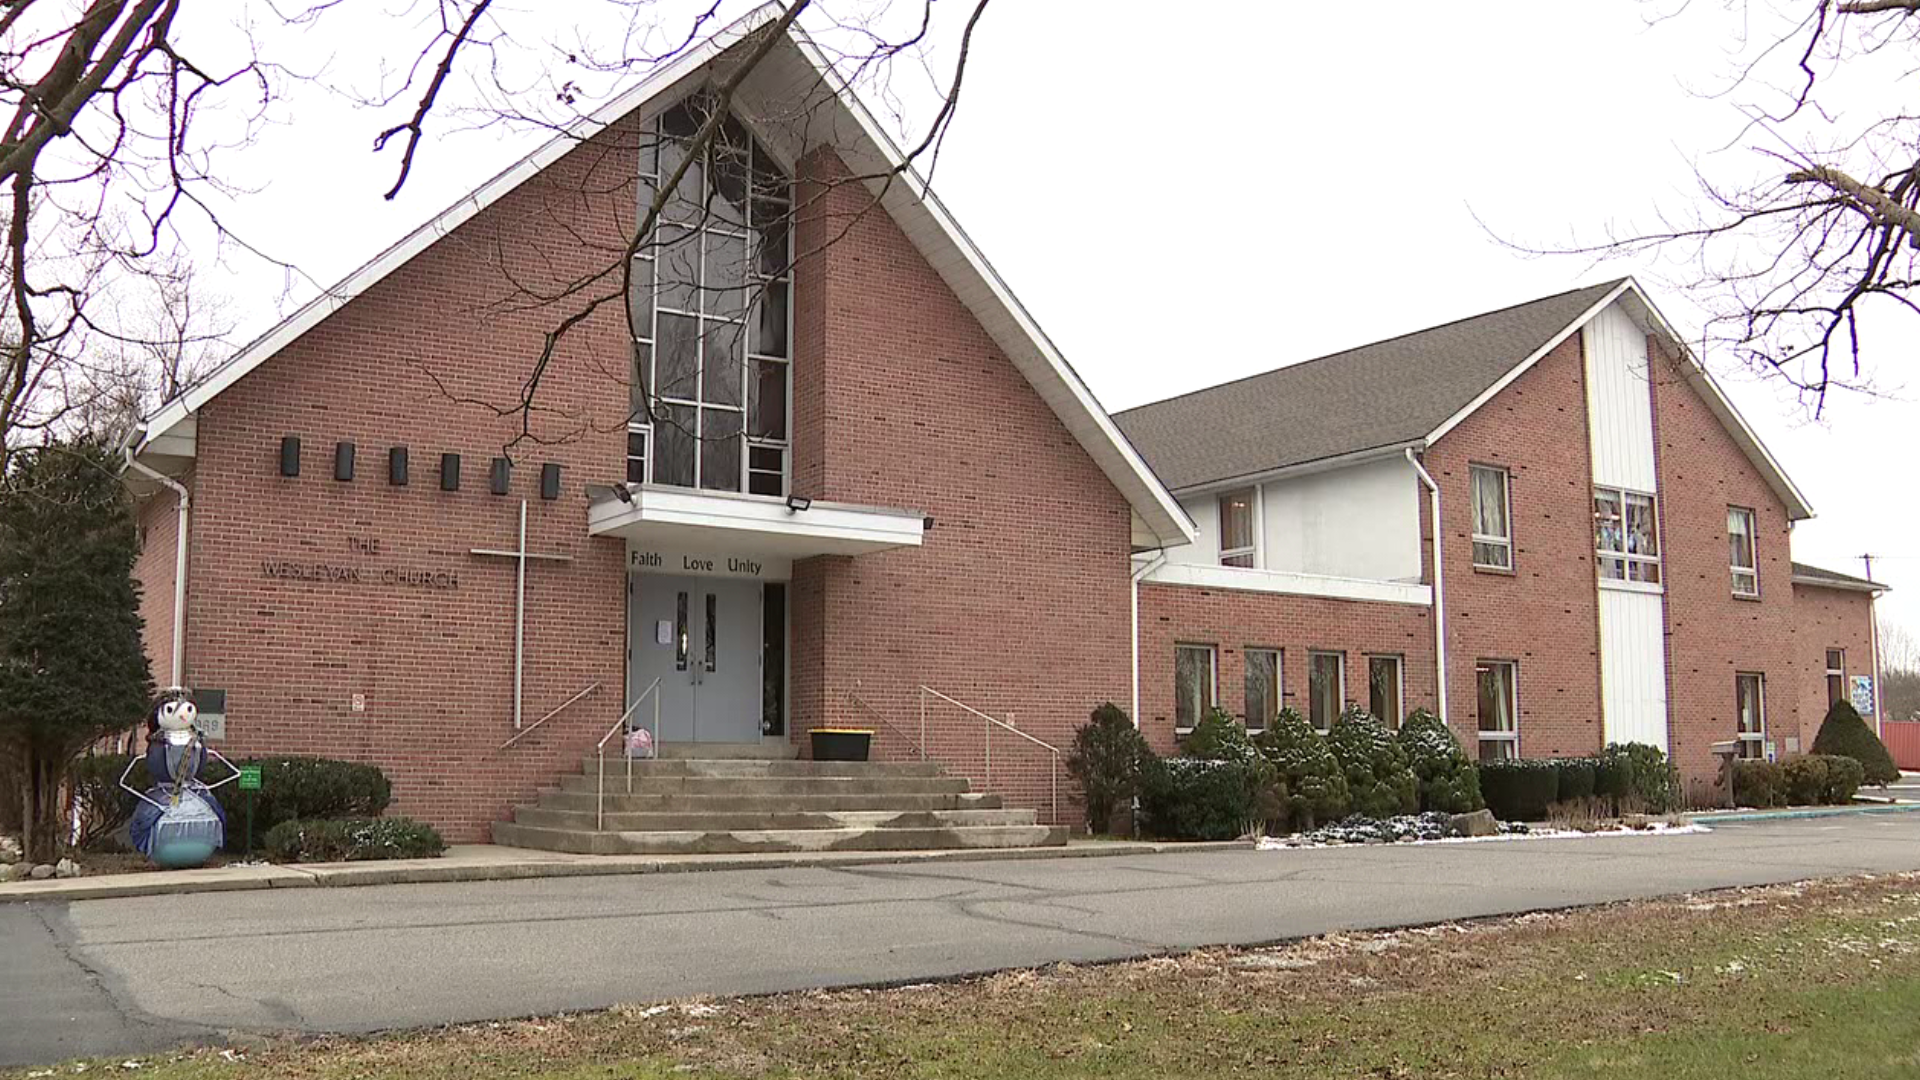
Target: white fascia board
(1871, 588)
(372, 272)
(757, 515)
(1291, 584)
(1087, 420)
(1526, 365)
(1305, 468)
(1798, 507)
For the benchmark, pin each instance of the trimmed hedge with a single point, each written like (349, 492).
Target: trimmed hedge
(1379, 783)
(1639, 774)
(1520, 789)
(352, 840)
(1309, 787)
(1845, 734)
(1448, 782)
(1760, 784)
(1821, 780)
(1578, 777)
(305, 789)
(1188, 798)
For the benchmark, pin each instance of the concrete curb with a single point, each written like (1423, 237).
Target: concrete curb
(523, 866)
(1718, 818)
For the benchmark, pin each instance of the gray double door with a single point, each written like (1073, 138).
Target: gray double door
(701, 637)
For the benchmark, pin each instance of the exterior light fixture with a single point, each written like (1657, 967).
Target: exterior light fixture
(623, 493)
(797, 503)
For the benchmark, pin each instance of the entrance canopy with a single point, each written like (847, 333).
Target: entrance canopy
(682, 519)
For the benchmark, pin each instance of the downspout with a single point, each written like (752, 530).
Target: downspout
(1439, 587)
(179, 565)
(1152, 565)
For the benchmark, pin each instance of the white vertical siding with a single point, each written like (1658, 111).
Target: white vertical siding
(1633, 646)
(1619, 401)
(1633, 667)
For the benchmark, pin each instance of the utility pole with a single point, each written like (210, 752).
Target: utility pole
(1873, 640)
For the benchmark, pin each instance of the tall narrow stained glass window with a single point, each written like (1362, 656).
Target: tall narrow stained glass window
(710, 304)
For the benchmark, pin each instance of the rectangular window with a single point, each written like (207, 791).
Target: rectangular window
(1750, 706)
(1236, 528)
(1746, 569)
(773, 658)
(1194, 673)
(1498, 714)
(1626, 536)
(680, 642)
(1836, 676)
(1326, 679)
(1263, 687)
(637, 455)
(1384, 694)
(1492, 518)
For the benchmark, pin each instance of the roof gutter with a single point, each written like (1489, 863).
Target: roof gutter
(1303, 468)
(1439, 588)
(185, 500)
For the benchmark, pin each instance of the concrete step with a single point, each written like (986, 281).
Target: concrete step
(622, 821)
(747, 767)
(696, 842)
(774, 785)
(760, 751)
(652, 802)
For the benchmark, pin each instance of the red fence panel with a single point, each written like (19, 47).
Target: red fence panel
(1903, 740)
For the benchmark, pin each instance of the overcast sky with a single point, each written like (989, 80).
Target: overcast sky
(1182, 201)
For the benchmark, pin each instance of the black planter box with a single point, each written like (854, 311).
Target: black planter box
(841, 744)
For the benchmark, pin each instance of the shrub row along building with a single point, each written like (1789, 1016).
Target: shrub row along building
(824, 470)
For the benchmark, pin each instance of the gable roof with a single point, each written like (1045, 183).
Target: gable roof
(796, 66)
(1804, 574)
(1402, 393)
(1386, 395)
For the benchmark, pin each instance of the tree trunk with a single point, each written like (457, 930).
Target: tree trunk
(40, 798)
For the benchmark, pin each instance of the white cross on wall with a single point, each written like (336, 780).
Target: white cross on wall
(520, 555)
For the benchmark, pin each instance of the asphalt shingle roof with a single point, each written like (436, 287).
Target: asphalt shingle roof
(1815, 575)
(1390, 392)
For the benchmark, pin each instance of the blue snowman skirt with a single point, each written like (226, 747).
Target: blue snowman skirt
(178, 834)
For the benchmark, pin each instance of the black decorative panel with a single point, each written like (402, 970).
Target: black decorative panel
(500, 475)
(549, 481)
(397, 466)
(290, 455)
(343, 461)
(449, 472)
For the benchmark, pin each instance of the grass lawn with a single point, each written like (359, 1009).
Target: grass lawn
(1796, 981)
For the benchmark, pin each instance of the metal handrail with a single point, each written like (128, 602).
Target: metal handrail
(919, 747)
(993, 722)
(528, 730)
(600, 750)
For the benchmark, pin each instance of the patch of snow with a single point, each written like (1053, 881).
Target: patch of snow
(1308, 840)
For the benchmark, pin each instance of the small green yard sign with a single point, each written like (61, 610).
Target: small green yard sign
(249, 778)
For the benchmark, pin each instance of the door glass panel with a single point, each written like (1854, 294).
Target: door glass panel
(773, 659)
(713, 622)
(680, 632)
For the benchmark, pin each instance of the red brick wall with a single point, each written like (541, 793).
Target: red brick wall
(1711, 634)
(1544, 615)
(434, 664)
(158, 519)
(1233, 621)
(1827, 619)
(1017, 603)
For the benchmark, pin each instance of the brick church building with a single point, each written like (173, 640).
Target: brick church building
(821, 469)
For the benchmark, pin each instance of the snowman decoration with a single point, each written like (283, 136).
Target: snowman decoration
(179, 823)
